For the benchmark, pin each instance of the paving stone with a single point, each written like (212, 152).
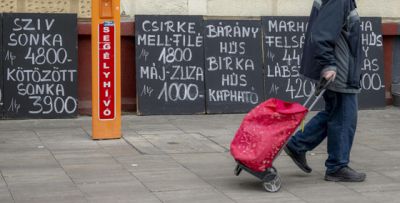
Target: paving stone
(97, 173)
(58, 190)
(20, 176)
(375, 182)
(221, 136)
(95, 167)
(198, 122)
(387, 197)
(76, 155)
(207, 165)
(16, 152)
(392, 153)
(393, 173)
(113, 188)
(125, 199)
(18, 136)
(345, 199)
(326, 190)
(58, 199)
(193, 196)
(246, 188)
(171, 179)
(61, 132)
(5, 195)
(119, 191)
(6, 198)
(183, 143)
(25, 160)
(123, 150)
(112, 143)
(374, 159)
(143, 146)
(154, 128)
(148, 163)
(66, 145)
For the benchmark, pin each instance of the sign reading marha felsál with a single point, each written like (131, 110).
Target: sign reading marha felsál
(284, 39)
(107, 71)
(40, 65)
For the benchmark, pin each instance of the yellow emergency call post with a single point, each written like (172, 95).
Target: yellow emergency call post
(106, 70)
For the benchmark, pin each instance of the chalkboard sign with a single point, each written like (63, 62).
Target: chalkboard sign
(283, 42)
(372, 81)
(233, 63)
(169, 65)
(40, 65)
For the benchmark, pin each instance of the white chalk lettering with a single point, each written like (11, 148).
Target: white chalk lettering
(169, 26)
(233, 80)
(170, 55)
(237, 31)
(229, 63)
(48, 104)
(179, 92)
(233, 96)
(183, 73)
(286, 26)
(37, 75)
(177, 40)
(299, 88)
(233, 47)
(31, 39)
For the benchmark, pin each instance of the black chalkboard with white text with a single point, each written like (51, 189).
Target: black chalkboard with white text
(233, 63)
(283, 42)
(40, 65)
(169, 65)
(372, 80)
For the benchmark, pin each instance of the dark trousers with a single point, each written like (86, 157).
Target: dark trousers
(338, 123)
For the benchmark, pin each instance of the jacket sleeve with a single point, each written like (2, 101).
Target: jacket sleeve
(326, 31)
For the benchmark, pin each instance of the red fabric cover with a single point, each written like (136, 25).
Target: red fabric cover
(264, 131)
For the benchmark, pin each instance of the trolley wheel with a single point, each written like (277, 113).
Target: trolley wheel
(272, 181)
(237, 170)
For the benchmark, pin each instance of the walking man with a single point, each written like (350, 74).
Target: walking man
(332, 51)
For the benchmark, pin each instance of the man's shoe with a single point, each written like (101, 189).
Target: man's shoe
(299, 159)
(345, 174)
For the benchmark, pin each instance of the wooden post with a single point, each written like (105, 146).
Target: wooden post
(106, 69)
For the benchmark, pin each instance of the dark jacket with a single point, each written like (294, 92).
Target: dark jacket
(333, 42)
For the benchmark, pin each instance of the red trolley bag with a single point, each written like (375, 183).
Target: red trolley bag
(264, 131)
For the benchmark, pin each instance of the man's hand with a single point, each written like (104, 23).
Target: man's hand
(330, 74)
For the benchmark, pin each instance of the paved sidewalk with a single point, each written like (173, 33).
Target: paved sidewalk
(180, 159)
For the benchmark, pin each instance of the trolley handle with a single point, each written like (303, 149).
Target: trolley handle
(318, 92)
(321, 86)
